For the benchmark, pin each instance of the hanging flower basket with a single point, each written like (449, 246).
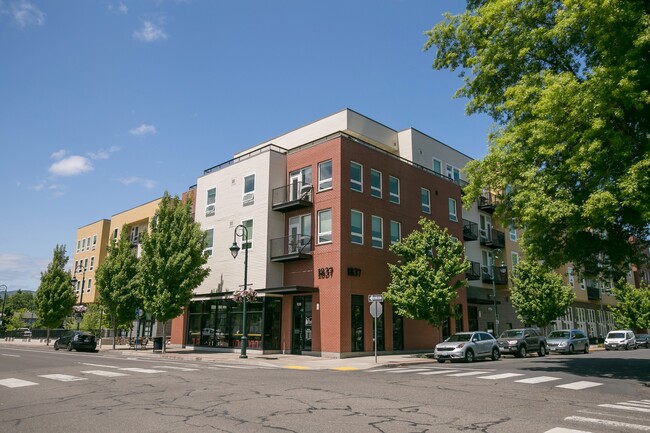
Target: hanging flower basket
(247, 294)
(80, 309)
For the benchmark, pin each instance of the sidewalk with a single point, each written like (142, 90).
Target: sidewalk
(297, 362)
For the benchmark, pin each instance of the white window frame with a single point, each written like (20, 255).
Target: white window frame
(393, 197)
(94, 242)
(513, 231)
(324, 183)
(248, 195)
(375, 191)
(356, 184)
(209, 247)
(78, 245)
(395, 232)
(514, 259)
(570, 276)
(452, 171)
(433, 166)
(426, 207)
(92, 263)
(89, 285)
(210, 206)
(249, 230)
(83, 245)
(356, 237)
(377, 241)
(453, 212)
(324, 236)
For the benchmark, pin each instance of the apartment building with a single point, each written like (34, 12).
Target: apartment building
(90, 250)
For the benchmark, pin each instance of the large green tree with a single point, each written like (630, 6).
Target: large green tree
(428, 274)
(538, 294)
(568, 85)
(55, 296)
(173, 261)
(116, 282)
(632, 309)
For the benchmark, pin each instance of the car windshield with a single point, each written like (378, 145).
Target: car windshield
(459, 337)
(559, 334)
(512, 333)
(616, 335)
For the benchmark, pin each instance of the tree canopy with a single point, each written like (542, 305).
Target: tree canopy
(568, 85)
(632, 309)
(173, 261)
(428, 275)
(538, 294)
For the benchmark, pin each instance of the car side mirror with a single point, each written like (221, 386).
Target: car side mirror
(474, 340)
(526, 335)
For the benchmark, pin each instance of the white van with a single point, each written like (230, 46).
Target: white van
(624, 339)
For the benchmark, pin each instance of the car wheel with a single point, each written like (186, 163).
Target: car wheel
(70, 347)
(442, 361)
(469, 356)
(607, 348)
(542, 350)
(571, 348)
(521, 353)
(56, 346)
(496, 354)
(586, 348)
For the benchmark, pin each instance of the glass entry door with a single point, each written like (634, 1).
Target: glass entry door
(302, 323)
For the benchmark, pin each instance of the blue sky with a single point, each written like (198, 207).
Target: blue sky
(104, 105)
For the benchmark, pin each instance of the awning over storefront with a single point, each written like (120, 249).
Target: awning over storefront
(284, 290)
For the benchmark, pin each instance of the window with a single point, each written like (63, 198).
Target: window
(78, 245)
(356, 223)
(375, 183)
(83, 245)
(90, 285)
(437, 166)
(211, 200)
(92, 263)
(300, 233)
(513, 231)
(395, 232)
(249, 189)
(209, 241)
(426, 200)
(88, 243)
(325, 226)
(249, 227)
(393, 187)
(453, 173)
(94, 242)
(115, 234)
(452, 210)
(572, 279)
(356, 177)
(377, 232)
(325, 175)
(514, 259)
(86, 263)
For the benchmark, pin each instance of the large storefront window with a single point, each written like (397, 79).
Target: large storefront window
(218, 323)
(357, 323)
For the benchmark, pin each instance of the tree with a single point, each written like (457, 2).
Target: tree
(567, 83)
(116, 282)
(55, 295)
(172, 261)
(632, 310)
(20, 300)
(538, 294)
(426, 279)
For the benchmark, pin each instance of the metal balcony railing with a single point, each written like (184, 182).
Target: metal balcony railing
(474, 272)
(292, 247)
(492, 238)
(296, 195)
(498, 274)
(488, 202)
(470, 230)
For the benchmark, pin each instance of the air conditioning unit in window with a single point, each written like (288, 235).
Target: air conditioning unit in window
(209, 210)
(248, 198)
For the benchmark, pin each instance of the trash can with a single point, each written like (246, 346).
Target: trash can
(157, 343)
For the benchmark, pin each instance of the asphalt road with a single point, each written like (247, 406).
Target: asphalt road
(57, 392)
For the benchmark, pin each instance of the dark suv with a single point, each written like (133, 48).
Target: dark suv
(77, 340)
(520, 342)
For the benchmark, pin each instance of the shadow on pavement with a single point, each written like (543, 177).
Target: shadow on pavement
(627, 369)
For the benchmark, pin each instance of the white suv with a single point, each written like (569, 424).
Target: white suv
(624, 339)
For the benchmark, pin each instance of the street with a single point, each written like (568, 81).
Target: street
(46, 391)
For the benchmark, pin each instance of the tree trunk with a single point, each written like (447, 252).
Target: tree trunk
(114, 330)
(48, 337)
(164, 338)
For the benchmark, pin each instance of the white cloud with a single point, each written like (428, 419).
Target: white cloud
(71, 166)
(25, 14)
(59, 154)
(144, 130)
(103, 154)
(134, 180)
(20, 271)
(123, 9)
(150, 32)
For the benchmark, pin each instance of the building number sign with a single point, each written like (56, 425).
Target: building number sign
(324, 273)
(354, 272)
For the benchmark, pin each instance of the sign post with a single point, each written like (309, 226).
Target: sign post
(138, 313)
(375, 311)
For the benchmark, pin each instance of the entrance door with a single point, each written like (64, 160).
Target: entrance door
(302, 322)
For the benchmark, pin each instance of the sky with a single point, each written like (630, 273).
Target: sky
(105, 105)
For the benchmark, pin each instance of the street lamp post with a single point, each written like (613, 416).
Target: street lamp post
(4, 300)
(242, 232)
(82, 269)
(502, 269)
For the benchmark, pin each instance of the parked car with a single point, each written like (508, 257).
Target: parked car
(77, 340)
(520, 342)
(567, 341)
(642, 340)
(623, 339)
(468, 346)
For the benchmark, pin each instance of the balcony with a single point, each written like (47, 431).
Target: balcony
(492, 238)
(496, 274)
(291, 248)
(470, 230)
(474, 272)
(593, 293)
(291, 197)
(488, 202)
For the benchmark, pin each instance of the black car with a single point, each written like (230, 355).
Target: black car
(78, 340)
(642, 340)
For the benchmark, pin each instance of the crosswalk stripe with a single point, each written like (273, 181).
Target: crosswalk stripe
(609, 423)
(386, 369)
(143, 370)
(428, 373)
(408, 370)
(501, 376)
(98, 365)
(16, 383)
(170, 367)
(62, 377)
(565, 430)
(104, 373)
(620, 406)
(467, 373)
(540, 379)
(583, 384)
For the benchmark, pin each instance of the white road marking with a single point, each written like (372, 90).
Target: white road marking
(622, 406)
(386, 369)
(467, 373)
(169, 367)
(16, 383)
(501, 376)
(13, 356)
(143, 370)
(565, 430)
(583, 384)
(62, 377)
(540, 379)
(104, 373)
(606, 422)
(408, 370)
(99, 365)
(439, 372)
